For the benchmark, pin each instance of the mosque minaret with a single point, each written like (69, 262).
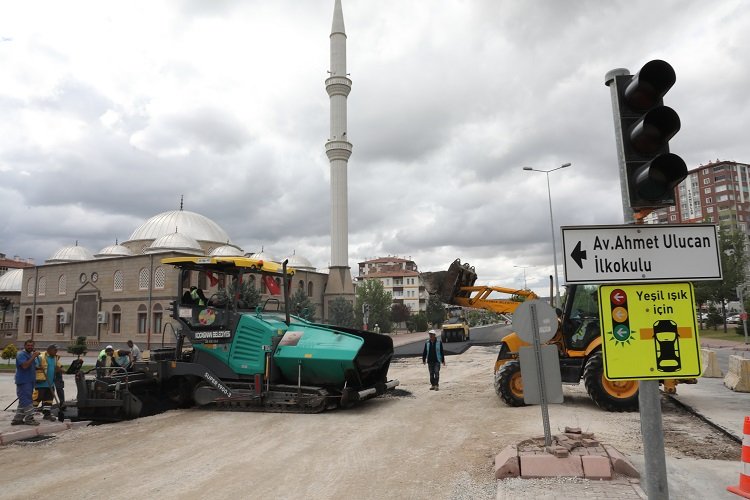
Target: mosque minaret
(339, 149)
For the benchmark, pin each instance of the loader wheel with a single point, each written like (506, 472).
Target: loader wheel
(509, 385)
(610, 395)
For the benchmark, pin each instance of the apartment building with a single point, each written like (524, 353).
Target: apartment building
(718, 192)
(400, 277)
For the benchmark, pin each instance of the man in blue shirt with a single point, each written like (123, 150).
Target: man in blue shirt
(25, 377)
(433, 355)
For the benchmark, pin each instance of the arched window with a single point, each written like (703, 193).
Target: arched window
(27, 321)
(142, 318)
(119, 281)
(158, 318)
(39, 320)
(160, 278)
(30, 289)
(143, 276)
(116, 319)
(60, 324)
(42, 286)
(61, 285)
(310, 289)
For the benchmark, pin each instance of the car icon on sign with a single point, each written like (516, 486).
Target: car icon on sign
(667, 345)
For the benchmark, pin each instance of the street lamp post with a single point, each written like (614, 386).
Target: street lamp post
(525, 287)
(552, 225)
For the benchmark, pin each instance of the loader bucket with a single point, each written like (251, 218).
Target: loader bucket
(447, 284)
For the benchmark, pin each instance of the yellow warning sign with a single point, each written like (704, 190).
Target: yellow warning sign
(649, 331)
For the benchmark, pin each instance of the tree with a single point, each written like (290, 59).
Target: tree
(79, 347)
(300, 305)
(249, 295)
(9, 352)
(734, 261)
(341, 313)
(372, 293)
(435, 311)
(418, 322)
(400, 313)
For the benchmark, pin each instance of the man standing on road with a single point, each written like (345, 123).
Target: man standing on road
(433, 356)
(25, 377)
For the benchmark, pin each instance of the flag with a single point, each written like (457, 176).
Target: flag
(213, 279)
(273, 287)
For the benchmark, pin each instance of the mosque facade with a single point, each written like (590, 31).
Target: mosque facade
(123, 292)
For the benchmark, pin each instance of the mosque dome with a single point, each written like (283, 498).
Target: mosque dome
(70, 254)
(300, 263)
(175, 242)
(196, 226)
(11, 280)
(113, 251)
(226, 251)
(262, 255)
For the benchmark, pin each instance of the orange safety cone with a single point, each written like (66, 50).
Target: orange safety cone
(743, 489)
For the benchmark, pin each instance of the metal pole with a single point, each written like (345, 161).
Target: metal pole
(740, 289)
(649, 399)
(554, 246)
(540, 366)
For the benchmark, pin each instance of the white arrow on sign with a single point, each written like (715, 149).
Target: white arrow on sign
(647, 252)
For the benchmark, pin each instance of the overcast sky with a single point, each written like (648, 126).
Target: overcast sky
(110, 111)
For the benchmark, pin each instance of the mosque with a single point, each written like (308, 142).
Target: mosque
(123, 291)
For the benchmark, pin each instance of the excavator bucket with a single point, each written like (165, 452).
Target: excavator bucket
(447, 284)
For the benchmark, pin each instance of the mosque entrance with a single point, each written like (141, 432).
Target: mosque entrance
(84, 317)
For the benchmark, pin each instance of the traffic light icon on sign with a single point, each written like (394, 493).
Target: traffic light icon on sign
(646, 126)
(618, 301)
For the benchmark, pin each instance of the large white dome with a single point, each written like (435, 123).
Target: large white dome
(70, 254)
(226, 251)
(300, 263)
(11, 280)
(191, 224)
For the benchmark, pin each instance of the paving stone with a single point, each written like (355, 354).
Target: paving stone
(550, 466)
(560, 452)
(579, 451)
(620, 463)
(589, 443)
(11, 436)
(507, 463)
(573, 430)
(596, 467)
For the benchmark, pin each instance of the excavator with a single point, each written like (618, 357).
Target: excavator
(578, 339)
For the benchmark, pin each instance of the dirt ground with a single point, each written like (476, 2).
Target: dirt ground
(415, 444)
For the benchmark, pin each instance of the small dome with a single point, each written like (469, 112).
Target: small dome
(11, 280)
(262, 255)
(113, 251)
(70, 254)
(191, 224)
(226, 251)
(299, 262)
(175, 242)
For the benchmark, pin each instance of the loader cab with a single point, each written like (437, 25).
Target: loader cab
(581, 316)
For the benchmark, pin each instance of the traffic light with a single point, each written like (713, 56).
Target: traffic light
(618, 301)
(646, 126)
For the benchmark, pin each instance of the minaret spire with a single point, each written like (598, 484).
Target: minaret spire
(338, 149)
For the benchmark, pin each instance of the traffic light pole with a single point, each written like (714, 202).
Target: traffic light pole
(649, 399)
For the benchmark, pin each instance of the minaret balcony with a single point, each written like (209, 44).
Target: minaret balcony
(338, 85)
(338, 150)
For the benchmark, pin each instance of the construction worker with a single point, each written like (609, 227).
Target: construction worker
(106, 362)
(196, 294)
(47, 365)
(433, 355)
(25, 385)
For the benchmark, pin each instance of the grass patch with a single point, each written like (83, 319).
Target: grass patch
(719, 334)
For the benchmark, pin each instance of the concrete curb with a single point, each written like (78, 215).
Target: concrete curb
(8, 437)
